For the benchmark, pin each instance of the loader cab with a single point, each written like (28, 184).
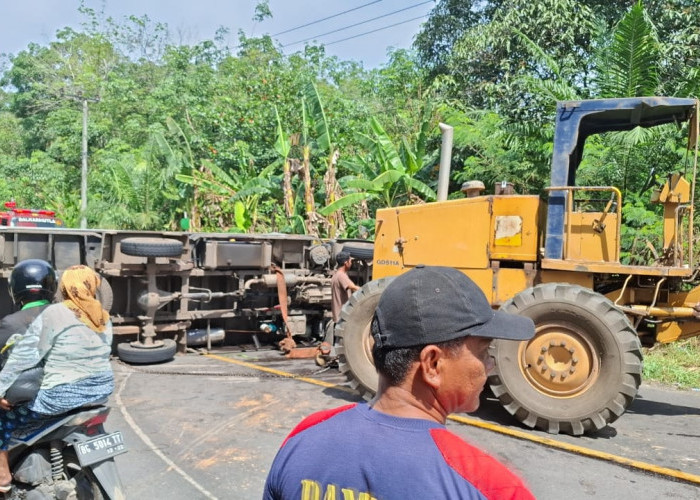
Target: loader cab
(579, 235)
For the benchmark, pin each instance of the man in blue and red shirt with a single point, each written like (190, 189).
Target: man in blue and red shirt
(432, 329)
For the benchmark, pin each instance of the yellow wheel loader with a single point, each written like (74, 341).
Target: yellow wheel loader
(556, 261)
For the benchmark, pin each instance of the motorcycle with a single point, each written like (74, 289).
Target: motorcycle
(70, 457)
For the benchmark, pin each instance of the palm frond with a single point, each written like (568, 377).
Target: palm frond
(345, 201)
(282, 145)
(632, 58)
(424, 189)
(541, 57)
(634, 137)
(385, 147)
(318, 116)
(361, 184)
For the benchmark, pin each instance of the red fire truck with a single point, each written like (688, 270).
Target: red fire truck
(28, 217)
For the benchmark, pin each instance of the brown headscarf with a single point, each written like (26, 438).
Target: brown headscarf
(79, 286)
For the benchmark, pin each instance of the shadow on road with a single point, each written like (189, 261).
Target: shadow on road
(491, 411)
(643, 406)
(342, 395)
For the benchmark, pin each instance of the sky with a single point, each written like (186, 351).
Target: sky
(190, 21)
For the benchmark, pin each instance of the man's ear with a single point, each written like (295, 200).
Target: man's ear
(430, 365)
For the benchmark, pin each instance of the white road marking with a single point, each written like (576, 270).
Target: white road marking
(151, 445)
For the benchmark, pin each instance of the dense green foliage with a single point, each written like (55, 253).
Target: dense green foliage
(250, 139)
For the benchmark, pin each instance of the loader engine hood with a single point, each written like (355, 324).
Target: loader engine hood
(576, 121)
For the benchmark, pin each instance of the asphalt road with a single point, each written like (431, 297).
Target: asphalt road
(209, 427)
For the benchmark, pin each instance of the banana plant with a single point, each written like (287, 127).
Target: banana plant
(312, 218)
(238, 190)
(183, 158)
(387, 173)
(282, 147)
(324, 146)
(140, 187)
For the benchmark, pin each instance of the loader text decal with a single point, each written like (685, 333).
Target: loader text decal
(387, 262)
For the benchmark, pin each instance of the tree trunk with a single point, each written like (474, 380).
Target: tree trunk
(287, 189)
(311, 216)
(335, 220)
(195, 210)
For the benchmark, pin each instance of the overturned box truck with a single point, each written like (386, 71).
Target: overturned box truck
(163, 287)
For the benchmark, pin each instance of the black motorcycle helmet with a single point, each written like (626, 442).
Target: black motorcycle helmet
(32, 279)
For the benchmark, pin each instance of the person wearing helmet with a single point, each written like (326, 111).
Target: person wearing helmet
(32, 287)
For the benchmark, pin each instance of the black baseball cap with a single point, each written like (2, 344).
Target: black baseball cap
(432, 304)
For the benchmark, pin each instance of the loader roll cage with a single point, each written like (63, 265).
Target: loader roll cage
(577, 120)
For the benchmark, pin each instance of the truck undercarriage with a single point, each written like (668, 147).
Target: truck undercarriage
(264, 288)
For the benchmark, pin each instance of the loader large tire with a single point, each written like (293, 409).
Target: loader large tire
(580, 371)
(355, 342)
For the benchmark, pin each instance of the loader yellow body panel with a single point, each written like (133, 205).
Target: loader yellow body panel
(465, 234)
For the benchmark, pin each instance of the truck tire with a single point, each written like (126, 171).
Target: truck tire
(147, 355)
(151, 247)
(360, 251)
(580, 371)
(355, 342)
(105, 294)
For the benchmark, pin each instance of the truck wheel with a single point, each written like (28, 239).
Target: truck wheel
(147, 355)
(105, 294)
(355, 348)
(151, 247)
(580, 371)
(360, 251)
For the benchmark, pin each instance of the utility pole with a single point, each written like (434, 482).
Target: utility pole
(83, 172)
(84, 156)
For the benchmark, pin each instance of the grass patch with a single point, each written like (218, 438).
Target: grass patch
(677, 363)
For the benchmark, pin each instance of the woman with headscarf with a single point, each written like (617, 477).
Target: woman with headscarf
(73, 340)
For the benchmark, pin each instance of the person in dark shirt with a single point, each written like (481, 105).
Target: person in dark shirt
(32, 288)
(431, 329)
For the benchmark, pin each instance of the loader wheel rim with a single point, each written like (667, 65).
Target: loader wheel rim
(559, 361)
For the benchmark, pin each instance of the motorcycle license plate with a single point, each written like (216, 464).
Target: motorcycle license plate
(100, 448)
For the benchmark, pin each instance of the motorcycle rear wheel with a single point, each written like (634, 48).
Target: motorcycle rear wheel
(86, 485)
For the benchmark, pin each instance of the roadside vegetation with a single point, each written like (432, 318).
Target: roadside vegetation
(250, 139)
(676, 364)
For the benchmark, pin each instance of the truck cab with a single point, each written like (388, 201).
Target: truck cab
(28, 217)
